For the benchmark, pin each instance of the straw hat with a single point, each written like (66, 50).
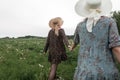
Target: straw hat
(55, 21)
(83, 7)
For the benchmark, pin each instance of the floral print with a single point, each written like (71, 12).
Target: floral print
(56, 45)
(95, 57)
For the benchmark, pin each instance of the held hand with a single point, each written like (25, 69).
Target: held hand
(70, 48)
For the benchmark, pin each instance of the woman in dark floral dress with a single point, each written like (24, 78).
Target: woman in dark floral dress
(99, 42)
(56, 42)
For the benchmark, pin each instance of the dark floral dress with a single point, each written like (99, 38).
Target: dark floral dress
(95, 57)
(56, 45)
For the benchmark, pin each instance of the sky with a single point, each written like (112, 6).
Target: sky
(30, 17)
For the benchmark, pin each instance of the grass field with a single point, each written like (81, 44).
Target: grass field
(22, 59)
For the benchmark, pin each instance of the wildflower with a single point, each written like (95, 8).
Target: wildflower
(60, 78)
(17, 50)
(1, 57)
(40, 65)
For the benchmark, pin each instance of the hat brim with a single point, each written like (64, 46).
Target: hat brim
(106, 7)
(54, 20)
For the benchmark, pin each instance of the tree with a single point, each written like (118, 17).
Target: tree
(116, 16)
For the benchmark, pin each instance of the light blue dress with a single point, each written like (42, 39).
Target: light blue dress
(95, 57)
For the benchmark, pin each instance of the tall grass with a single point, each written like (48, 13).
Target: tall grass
(22, 59)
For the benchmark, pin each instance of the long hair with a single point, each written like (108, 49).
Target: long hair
(56, 28)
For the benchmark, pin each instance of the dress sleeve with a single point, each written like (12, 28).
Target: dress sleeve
(76, 36)
(65, 39)
(47, 43)
(114, 37)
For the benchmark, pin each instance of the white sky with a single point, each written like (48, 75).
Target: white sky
(31, 17)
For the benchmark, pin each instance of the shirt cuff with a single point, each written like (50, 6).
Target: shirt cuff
(114, 44)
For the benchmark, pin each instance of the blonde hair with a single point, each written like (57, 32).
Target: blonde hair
(55, 24)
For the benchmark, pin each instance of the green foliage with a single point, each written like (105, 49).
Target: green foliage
(22, 59)
(116, 16)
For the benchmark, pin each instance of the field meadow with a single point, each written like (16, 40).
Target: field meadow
(23, 59)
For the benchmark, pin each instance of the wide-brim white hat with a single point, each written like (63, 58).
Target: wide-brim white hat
(83, 7)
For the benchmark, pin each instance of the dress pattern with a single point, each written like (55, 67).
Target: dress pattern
(95, 57)
(56, 46)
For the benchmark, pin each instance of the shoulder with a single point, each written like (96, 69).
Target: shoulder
(111, 22)
(80, 24)
(50, 31)
(109, 19)
(61, 30)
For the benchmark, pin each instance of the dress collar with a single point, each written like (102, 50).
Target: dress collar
(92, 20)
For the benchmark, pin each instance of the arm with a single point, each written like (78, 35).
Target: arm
(47, 44)
(114, 40)
(114, 37)
(76, 39)
(65, 39)
(116, 51)
(72, 47)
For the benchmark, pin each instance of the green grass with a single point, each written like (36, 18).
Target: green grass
(22, 59)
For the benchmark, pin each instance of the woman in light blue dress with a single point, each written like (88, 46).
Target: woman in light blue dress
(99, 43)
